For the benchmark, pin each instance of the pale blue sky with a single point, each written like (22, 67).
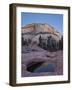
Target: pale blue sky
(55, 20)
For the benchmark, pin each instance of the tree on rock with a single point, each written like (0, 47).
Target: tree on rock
(40, 41)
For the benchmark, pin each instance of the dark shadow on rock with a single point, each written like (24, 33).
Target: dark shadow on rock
(33, 65)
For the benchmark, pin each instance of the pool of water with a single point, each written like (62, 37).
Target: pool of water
(45, 68)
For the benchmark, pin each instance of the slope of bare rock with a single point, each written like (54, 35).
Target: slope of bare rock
(46, 57)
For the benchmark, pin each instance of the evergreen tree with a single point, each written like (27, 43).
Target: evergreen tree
(22, 40)
(44, 46)
(61, 43)
(49, 43)
(29, 41)
(40, 41)
(53, 44)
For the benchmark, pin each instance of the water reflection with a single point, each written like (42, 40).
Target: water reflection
(42, 67)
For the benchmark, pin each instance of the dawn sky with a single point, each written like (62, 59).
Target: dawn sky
(55, 20)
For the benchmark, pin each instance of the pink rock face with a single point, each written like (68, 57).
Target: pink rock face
(38, 27)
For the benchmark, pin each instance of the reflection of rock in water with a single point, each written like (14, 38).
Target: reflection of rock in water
(37, 67)
(46, 67)
(33, 65)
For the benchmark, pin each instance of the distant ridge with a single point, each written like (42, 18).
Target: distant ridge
(35, 28)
